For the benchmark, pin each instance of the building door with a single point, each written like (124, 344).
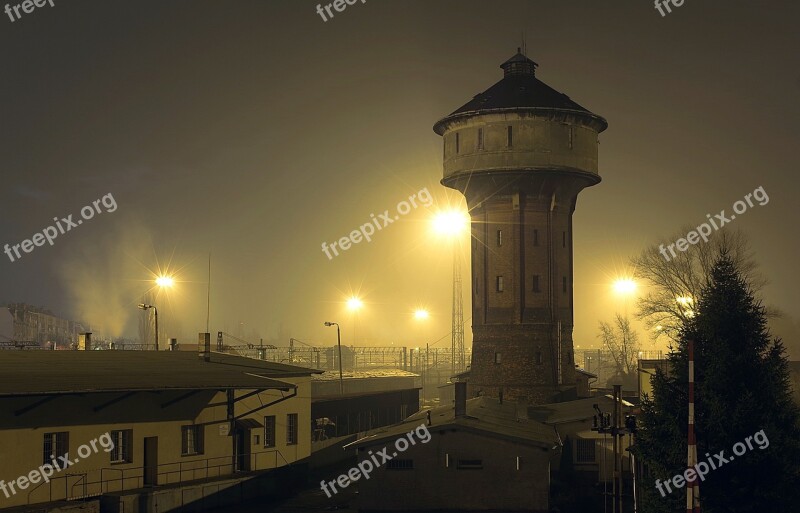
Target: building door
(243, 449)
(151, 461)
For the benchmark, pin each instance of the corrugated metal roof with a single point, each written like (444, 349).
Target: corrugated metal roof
(61, 372)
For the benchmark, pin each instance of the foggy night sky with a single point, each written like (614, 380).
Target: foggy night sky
(255, 131)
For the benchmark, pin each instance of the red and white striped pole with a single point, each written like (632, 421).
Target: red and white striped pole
(693, 485)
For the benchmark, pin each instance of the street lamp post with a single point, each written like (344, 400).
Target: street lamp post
(339, 343)
(143, 306)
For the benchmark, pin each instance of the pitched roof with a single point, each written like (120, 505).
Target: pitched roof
(63, 372)
(485, 416)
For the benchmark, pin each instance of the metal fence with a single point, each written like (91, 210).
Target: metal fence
(93, 483)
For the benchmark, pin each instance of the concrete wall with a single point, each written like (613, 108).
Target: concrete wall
(539, 140)
(203, 496)
(148, 414)
(434, 486)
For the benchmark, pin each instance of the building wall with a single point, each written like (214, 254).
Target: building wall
(521, 198)
(351, 415)
(434, 486)
(148, 414)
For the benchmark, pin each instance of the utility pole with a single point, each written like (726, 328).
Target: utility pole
(612, 424)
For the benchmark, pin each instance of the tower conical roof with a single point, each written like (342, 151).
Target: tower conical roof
(520, 89)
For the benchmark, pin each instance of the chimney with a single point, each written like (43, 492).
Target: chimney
(173, 344)
(204, 346)
(461, 398)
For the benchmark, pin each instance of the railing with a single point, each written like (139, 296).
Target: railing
(107, 480)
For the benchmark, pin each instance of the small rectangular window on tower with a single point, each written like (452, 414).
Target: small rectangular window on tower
(571, 136)
(510, 136)
(538, 357)
(564, 239)
(499, 284)
(535, 237)
(498, 358)
(480, 138)
(536, 283)
(457, 143)
(564, 284)
(499, 237)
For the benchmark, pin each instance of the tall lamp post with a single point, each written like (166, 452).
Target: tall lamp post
(144, 306)
(339, 343)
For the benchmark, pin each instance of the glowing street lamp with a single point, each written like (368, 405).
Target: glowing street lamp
(687, 305)
(354, 304)
(165, 281)
(450, 222)
(421, 314)
(624, 286)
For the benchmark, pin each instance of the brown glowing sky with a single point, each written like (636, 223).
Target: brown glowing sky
(255, 131)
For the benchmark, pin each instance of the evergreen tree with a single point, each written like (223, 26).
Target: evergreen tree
(741, 387)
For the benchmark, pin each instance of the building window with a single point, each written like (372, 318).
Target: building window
(191, 440)
(480, 138)
(122, 451)
(499, 237)
(510, 137)
(498, 358)
(564, 239)
(499, 284)
(538, 357)
(457, 143)
(536, 283)
(291, 429)
(470, 464)
(584, 451)
(269, 431)
(401, 464)
(571, 136)
(535, 237)
(564, 284)
(55, 445)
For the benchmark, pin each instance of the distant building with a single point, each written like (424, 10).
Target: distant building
(520, 153)
(176, 419)
(39, 327)
(476, 445)
(371, 399)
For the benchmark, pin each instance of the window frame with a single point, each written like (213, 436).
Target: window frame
(270, 431)
(197, 437)
(58, 442)
(292, 428)
(582, 451)
(122, 452)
